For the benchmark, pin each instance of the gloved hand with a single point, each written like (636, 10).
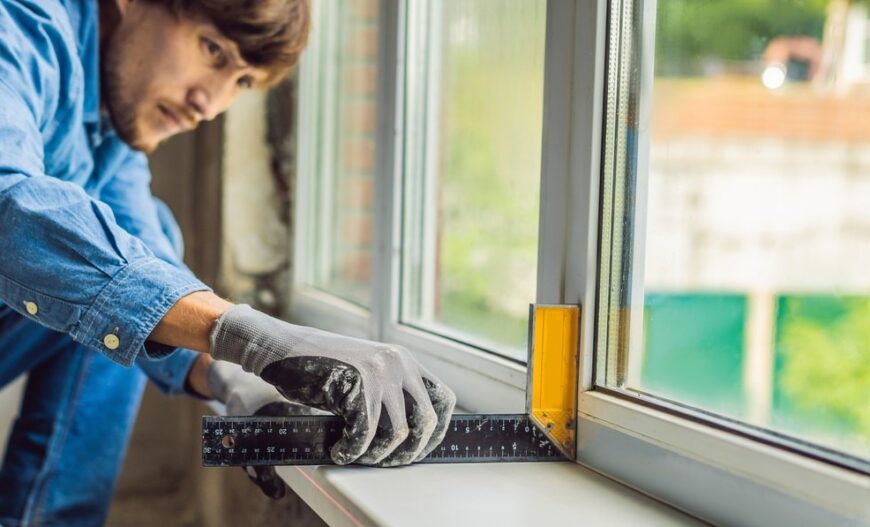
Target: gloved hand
(395, 411)
(244, 393)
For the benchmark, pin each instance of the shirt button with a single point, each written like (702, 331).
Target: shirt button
(31, 307)
(111, 341)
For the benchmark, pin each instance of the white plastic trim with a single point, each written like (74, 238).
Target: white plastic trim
(727, 457)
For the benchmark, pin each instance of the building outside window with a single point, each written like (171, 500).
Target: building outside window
(747, 201)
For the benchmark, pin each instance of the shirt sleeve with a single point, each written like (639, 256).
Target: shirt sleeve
(66, 263)
(128, 194)
(169, 375)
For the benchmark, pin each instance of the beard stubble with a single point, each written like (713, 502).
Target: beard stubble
(119, 98)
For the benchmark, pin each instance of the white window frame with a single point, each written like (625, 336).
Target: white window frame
(710, 472)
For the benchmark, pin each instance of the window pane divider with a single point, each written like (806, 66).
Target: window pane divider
(387, 201)
(571, 164)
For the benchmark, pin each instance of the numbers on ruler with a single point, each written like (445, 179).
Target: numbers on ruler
(483, 437)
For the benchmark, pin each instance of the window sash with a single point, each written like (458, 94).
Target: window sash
(625, 168)
(633, 437)
(484, 381)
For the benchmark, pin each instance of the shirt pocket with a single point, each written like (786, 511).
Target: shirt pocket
(51, 312)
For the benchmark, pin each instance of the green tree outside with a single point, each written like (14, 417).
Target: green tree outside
(690, 32)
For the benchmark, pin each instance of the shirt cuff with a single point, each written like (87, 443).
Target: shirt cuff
(128, 309)
(169, 375)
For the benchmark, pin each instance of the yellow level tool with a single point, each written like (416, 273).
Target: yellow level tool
(551, 393)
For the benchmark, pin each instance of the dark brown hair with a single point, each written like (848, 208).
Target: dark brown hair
(271, 34)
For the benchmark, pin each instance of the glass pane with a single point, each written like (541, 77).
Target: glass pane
(747, 183)
(473, 157)
(343, 194)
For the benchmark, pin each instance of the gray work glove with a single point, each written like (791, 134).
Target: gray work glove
(395, 411)
(244, 393)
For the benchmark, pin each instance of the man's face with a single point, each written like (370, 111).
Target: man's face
(163, 74)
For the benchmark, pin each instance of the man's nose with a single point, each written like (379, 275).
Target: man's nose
(200, 102)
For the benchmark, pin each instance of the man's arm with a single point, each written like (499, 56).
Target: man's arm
(189, 322)
(128, 193)
(86, 275)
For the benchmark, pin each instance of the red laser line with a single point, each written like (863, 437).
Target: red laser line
(335, 502)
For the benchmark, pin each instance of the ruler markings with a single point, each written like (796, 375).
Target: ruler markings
(306, 440)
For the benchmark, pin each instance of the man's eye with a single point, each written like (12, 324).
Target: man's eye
(211, 47)
(245, 81)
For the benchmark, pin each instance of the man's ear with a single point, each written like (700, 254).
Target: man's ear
(122, 6)
(111, 12)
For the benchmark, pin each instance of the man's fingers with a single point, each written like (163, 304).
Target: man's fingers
(358, 431)
(392, 431)
(422, 421)
(268, 480)
(443, 401)
(332, 385)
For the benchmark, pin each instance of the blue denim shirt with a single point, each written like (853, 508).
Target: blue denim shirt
(81, 248)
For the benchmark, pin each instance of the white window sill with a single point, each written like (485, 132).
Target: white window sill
(502, 494)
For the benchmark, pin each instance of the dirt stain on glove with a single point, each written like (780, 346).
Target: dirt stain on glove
(330, 385)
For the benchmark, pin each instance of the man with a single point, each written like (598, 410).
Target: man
(93, 289)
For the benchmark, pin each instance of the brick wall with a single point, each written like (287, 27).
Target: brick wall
(354, 192)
